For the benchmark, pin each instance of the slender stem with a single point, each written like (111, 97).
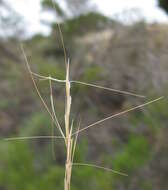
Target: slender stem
(118, 114)
(69, 140)
(53, 110)
(68, 102)
(36, 87)
(108, 89)
(33, 137)
(100, 167)
(89, 84)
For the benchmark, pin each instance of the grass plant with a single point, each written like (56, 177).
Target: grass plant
(68, 134)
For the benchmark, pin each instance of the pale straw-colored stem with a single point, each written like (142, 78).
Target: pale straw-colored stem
(68, 102)
(108, 89)
(118, 114)
(53, 110)
(33, 137)
(68, 130)
(90, 84)
(75, 142)
(55, 121)
(100, 167)
(48, 78)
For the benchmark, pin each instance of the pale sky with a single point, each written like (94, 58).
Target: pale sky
(147, 9)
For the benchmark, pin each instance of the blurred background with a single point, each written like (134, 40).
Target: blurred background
(121, 45)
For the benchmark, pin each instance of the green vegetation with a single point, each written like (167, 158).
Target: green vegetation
(102, 51)
(164, 4)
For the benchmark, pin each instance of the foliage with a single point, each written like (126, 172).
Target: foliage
(20, 170)
(85, 23)
(74, 7)
(91, 74)
(164, 4)
(49, 4)
(134, 155)
(140, 139)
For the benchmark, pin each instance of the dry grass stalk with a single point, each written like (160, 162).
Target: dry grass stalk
(33, 137)
(70, 137)
(100, 167)
(89, 84)
(68, 131)
(118, 114)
